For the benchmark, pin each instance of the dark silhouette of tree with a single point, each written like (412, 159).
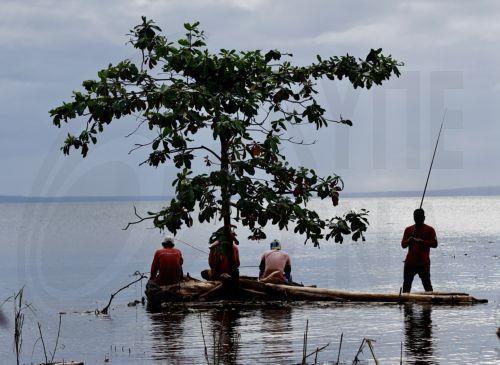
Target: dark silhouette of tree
(247, 100)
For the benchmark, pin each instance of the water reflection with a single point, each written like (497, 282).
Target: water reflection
(167, 334)
(277, 333)
(419, 344)
(224, 339)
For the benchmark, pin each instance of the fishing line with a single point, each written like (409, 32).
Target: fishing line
(206, 252)
(192, 246)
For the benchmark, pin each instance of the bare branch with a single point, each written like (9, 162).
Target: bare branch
(301, 142)
(136, 128)
(140, 219)
(106, 308)
(207, 149)
(140, 145)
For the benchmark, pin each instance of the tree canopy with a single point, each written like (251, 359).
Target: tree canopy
(247, 100)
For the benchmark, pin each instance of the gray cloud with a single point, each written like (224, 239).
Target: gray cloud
(449, 47)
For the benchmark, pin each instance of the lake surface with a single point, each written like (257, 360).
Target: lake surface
(70, 256)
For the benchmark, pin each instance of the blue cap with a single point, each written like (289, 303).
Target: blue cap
(275, 245)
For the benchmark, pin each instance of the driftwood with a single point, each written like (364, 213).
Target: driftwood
(254, 294)
(296, 293)
(285, 292)
(187, 290)
(439, 293)
(211, 293)
(318, 294)
(190, 290)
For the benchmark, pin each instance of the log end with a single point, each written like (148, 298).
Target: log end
(479, 301)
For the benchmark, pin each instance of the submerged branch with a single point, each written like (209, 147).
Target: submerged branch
(105, 310)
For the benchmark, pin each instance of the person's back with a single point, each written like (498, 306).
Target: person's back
(166, 268)
(275, 265)
(218, 261)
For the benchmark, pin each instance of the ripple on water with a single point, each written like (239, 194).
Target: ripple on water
(69, 255)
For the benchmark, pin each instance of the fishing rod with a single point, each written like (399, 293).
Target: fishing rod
(430, 168)
(427, 180)
(433, 155)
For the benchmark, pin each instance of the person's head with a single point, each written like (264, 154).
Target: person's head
(220, 235)
(275, 245)
(419, 216)
(168, 242)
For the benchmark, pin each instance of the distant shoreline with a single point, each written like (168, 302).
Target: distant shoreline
(478, 191)
(78, 199)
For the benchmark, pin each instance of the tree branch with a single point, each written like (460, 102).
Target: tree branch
(302, 143)
(140, 145)
(106, 308)
(204, 148)
(140, 219)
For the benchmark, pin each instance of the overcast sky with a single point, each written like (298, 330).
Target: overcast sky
(450, 49)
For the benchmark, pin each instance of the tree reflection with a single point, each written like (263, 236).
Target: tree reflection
(167, 334)
(223, 340)
(419, 344)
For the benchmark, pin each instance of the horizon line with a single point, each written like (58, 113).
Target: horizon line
(467, 191)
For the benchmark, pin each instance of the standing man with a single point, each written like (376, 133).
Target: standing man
(419, 239)
(275, 265)
(166, 268)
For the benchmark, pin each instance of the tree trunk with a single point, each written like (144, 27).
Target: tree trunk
(226, 209)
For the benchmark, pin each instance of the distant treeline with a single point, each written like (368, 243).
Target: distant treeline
(78, 199)
(478, 191)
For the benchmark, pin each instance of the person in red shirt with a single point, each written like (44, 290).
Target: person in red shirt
(166, 268)
(419, 239)
(218, 260)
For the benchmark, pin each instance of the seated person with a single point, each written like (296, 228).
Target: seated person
(275, 265)
(218, 260)
(166, 268)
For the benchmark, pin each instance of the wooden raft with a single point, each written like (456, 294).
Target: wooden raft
(194, 290)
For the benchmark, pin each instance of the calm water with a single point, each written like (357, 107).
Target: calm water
(70, 257)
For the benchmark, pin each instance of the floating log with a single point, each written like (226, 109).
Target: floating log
(254, 294)
(438, 293)
(319, 294)
(191, 290)
(211, 293)
(298, 293)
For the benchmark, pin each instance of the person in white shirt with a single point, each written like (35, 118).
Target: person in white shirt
(275, 265)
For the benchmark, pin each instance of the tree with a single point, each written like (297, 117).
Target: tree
(247, 100)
